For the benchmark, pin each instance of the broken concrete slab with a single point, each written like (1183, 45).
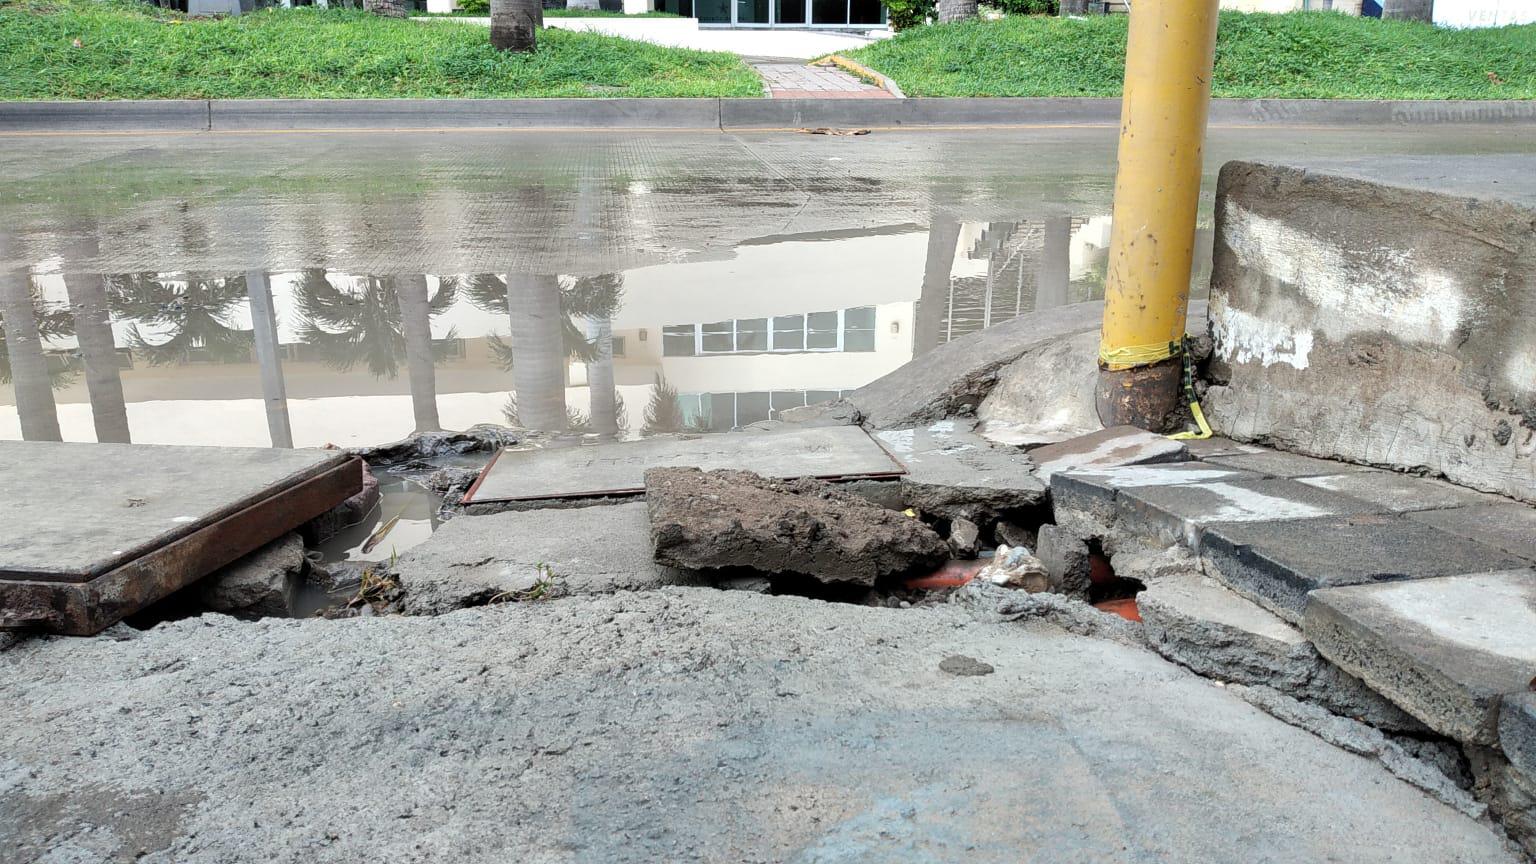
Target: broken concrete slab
(954, 378)
(1045, 395)
(1399, 493)
(1446, 650)
(473, 560)
(952, 472)
(1199, 623)
(1277, 564)
(642, 723)
(1379, 311)
(1216, 445)
(1066, 561)
(618, 468)
(1510, 527)
(722, 519)
(1164, 515)
(1107, 448)
(1279, 463)
(262, 583)
(1517, 730)
(99, 531)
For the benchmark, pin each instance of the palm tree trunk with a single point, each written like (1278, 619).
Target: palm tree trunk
(604, 404)
(943, 234)
(515, 24)
(956, 10)
(29, 368)
(274, 391)
(416, 327)
(538, 356)
(387, 8)
(1054, 273)
(103, 376)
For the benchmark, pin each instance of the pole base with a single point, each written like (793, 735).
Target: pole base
(1148, 397)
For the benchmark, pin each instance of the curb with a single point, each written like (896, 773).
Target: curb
(247, 115)
(862, 71)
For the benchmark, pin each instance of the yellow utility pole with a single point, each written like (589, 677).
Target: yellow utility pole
(1168, 62)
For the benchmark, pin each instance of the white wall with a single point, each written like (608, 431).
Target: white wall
(1484, 13)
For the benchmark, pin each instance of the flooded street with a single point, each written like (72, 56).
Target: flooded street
(348, 289)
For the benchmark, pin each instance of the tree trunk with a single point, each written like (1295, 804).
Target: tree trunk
(274, 392)
(416, 327)
(1054, 273)
(387, 8)
(604, 404)
(29, 368)
(1408, 10)
(538, 356)
(956, 10)
(103, 376)
(933, 302)
(515, 24)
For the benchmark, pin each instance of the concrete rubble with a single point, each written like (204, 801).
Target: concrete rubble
(722, 519)
(953, 473)
(262, 583)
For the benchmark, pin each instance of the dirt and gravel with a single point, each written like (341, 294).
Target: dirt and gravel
(681, 724)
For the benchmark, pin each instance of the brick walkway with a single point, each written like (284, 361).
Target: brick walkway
(799, 81)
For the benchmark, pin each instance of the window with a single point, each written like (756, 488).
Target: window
(618, 346)
(845, 330)
(678, 341)
(751, 407)
(859, 329)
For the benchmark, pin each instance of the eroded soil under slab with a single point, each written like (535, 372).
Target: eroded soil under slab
(680, 725)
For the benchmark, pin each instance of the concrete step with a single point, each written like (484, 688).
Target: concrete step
(1447, 650)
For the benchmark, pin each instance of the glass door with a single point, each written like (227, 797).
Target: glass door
(713, 11)
(752, 13)
(790, 11)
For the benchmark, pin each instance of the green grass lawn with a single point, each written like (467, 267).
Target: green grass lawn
(1301, 55)
(129, 50)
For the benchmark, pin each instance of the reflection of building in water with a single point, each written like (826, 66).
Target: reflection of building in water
(305, 358)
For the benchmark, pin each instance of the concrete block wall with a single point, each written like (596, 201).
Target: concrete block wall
(1383, 313)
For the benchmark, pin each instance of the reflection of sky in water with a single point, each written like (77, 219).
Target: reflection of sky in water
(359, 360)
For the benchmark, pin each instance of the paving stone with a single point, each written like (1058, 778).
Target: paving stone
(1107, 448)
(1084, 501)
(1509, 526)
(1517, 731)
(1278, 463)
(1216, 445)
(590, 550)
(1277, 563)
(955, 473)
(1446, 650)
(1399, 493)
(1182, 514)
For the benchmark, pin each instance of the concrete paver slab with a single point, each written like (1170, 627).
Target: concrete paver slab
(98, 531)
(1107, 448)
(1182, 513)
(681, 724)
(952, 471)
(1278, 563)
(1278, 463)
(584, 550)
(609, 469)
(1399, 493)
(1509, 526)
(1446, 650)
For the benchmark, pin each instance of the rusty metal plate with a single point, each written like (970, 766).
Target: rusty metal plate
(94, 532)
(836, 452)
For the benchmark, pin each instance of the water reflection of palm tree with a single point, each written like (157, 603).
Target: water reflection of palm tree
(361, 324)
(23, 327)
(540, 309)
(103, 375)
(268, 350)
(195, 313)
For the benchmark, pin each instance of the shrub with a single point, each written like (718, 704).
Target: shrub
(1025, 7)
(475, 7)
(907, 13)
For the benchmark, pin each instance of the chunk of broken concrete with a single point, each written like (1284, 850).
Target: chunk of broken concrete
(473, 560)
(1107, 448)
(1016, 567)
(964, 535)
(262, 584)
(954, 473)
(712, 519)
